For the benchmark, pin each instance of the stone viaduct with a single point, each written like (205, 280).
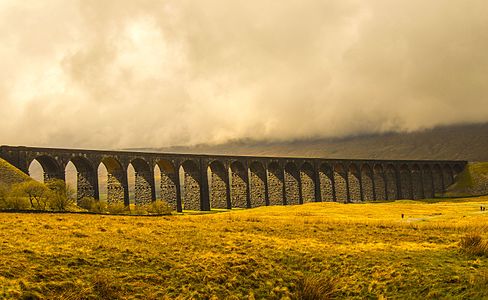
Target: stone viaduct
(202, 182)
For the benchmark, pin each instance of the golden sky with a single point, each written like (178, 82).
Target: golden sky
(117, 73)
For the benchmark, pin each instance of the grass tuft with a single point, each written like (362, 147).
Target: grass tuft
(315, 287)
(473, 244)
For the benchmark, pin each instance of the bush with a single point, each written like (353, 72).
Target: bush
(473, 244)
(93, 205)
(159, 207)
(37, 193)
(14, 203)
(117, 208)
(140, 209)
(62, 196)
(315, 287)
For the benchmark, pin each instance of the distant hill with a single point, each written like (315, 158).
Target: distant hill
(463, 142)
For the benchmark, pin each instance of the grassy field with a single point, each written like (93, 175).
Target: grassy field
(351, 250)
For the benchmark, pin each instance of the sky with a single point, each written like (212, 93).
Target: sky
(111, 74)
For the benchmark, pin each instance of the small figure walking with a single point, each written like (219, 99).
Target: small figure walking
(403, 216)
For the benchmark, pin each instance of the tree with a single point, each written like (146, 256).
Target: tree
(36, 192)
(62, 196)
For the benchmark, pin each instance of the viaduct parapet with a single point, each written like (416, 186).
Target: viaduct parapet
(202, 182)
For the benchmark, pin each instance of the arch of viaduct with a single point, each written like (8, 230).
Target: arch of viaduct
(216, 181)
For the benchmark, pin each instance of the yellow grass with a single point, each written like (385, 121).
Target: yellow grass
(363, 250)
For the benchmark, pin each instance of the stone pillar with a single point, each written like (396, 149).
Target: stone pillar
(179, 204)
(144, 190)
(283, 175)
(117, 187)
(87, 185)
(204, 191)
(248, 188)
(170, 188)
(228, 189)
(316, 179)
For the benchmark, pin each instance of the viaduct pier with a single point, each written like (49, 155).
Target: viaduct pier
(202, 182)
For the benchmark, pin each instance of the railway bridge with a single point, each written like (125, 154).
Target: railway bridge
(203, 182)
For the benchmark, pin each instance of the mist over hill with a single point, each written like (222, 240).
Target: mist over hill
(463, 142)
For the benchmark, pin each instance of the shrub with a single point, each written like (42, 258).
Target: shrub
(315, 287)
(117, 208)
(36, 192)
(159, 207)
(140, 209)
(93, 205)
(62, 196)
(14, 203)
(473, 244)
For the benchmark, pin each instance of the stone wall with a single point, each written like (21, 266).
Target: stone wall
(326, 184)
(391, 184)
(367, 184)
(116, 186)
(191, 187)
(292, 184)
(417, 184)
(239, 186)
(168, 188)
(218, 186)
(258, 188)
(379, 184)
(438, 179)
(86, 185)
(307, 176)
(354, 185)
(428, 183)
(340, 186)
(143, 187)
(275, 184)
(405, 184)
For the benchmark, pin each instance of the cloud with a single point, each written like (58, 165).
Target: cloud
(115, 74)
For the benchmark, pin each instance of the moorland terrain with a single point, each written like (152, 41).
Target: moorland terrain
(353, 251)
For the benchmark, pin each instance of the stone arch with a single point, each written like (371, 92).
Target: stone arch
(448, 176)
(326, 179)
(417, 183)
(239, 185)
(367, 183)
(168, 182)
(144, 182)
(218, 184)
(292, 184)
(191, 186)
(258, 184)
(117, 187)
(275, 184)
(438, 179)
(405, 182)
(50, 167)
(86, 178)
(354, 183)
(340, 183)
(391, 183)
(379, 183)
(307, 179)
(427, 182)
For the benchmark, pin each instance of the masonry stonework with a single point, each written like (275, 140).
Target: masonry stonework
(239, 181)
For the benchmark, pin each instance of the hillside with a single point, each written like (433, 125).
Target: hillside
(10, 175)
(463, 142)
(473, 181)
